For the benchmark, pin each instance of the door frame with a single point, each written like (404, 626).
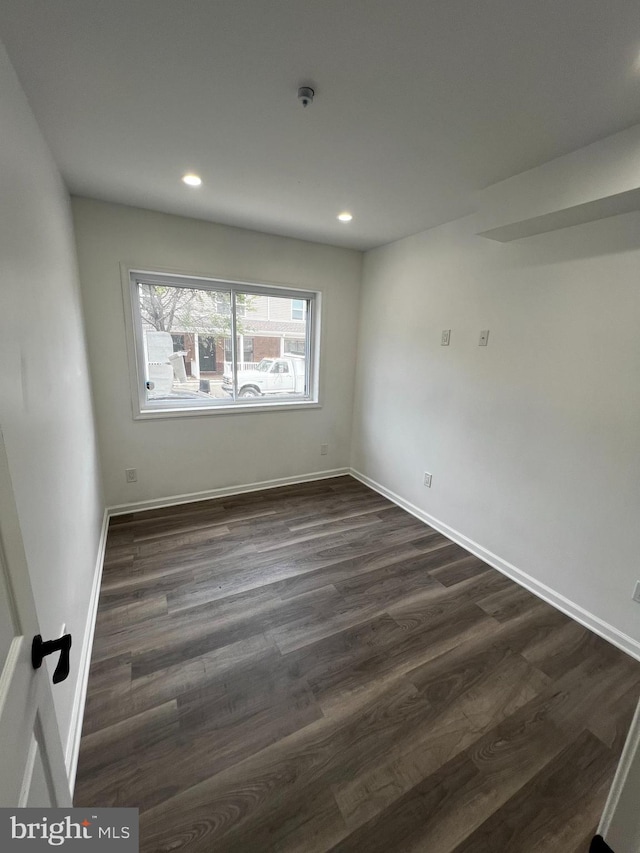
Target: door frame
(620, 822)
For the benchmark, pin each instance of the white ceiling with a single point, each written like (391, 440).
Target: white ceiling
(419, 103)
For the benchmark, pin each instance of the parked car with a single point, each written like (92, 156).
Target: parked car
(271, 376)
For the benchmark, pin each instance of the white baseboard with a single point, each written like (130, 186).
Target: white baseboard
(546, 593)
(174, 500)
(72, 750)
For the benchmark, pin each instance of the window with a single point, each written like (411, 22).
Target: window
(223, 305)
(297, 309)
(295, 346)
(211, 373)
(247, 349)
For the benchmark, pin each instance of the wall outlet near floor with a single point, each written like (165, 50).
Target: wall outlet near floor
(636, 592)
(427, 480)
(446, 338)
(131, 474)
(324, 449)
(484, 338)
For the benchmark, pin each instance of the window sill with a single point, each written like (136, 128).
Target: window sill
(237, 409)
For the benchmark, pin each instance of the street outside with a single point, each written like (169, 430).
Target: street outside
(212, 381)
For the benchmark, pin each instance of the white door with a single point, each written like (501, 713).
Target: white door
(620, 824)
(32, 771)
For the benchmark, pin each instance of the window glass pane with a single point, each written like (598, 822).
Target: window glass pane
(274, 370)
(186, 357)
(183, 331)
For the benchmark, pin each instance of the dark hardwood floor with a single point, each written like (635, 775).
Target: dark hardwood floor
(311, 668)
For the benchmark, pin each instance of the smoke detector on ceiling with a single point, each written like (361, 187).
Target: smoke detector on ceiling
(305, 95)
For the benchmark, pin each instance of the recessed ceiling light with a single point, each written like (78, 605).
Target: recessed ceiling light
(345, 217)
(192, 180)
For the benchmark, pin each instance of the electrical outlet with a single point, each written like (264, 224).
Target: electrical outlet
(324, 449)
(484, 338)
(446, 337)
(427, 480)
(636, 592)
(131, 474)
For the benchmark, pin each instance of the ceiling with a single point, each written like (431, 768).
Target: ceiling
(419, 103)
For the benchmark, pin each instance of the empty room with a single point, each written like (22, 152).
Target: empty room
(319, 425)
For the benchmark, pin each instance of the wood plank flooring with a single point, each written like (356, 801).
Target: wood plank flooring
(310, 669)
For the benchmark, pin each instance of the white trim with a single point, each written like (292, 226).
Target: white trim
(28, 773)
(546, 593)
(145, 409)
(629, 756)
(232, 408)
(214, 282)
(159, 503)
(72, 750)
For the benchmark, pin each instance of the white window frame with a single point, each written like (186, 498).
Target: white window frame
(145, 409)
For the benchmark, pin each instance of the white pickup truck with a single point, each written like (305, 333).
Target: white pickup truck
(271, 376)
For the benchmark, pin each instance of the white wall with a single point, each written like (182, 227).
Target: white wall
(533, 442)
(45, 401)
(185, 455)
(595, 181)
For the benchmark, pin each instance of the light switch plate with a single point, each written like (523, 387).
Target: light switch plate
(446, 337)
(484, 338)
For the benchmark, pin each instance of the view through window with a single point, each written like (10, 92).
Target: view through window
(207, 344)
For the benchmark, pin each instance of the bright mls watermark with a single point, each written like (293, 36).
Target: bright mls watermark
(114, 830)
